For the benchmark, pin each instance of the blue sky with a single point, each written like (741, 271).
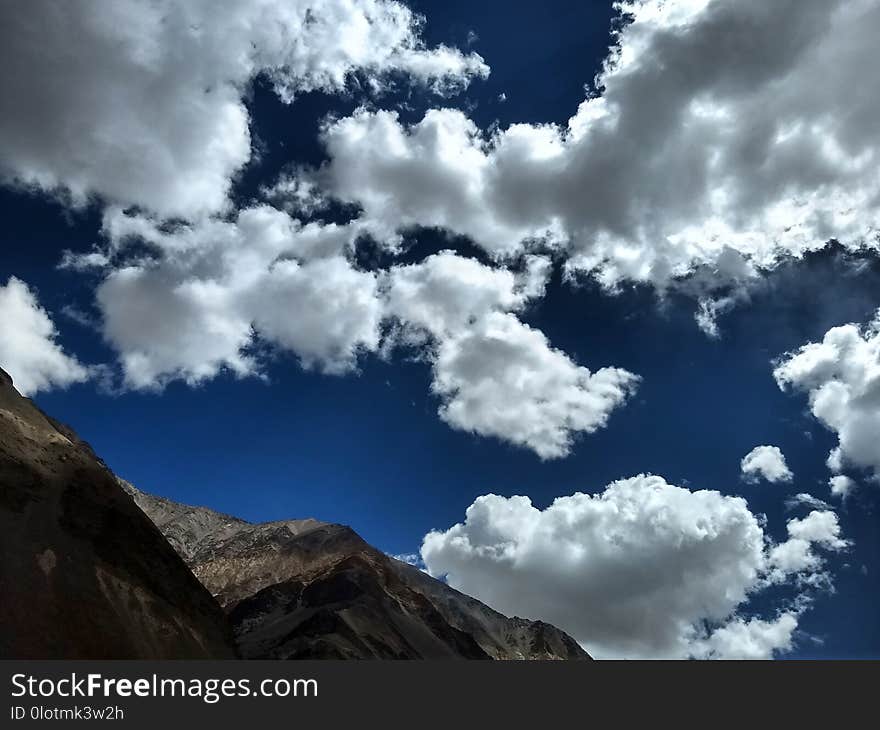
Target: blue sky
(367, 447)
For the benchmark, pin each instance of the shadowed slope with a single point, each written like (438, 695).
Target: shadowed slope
(83, 573)
(310, 589)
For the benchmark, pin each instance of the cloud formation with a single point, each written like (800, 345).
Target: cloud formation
(29, 350)
(806, 500)
(765, 462)
(151, 98)
(147, 109)
(642, 569)
(797, 556)
(206, 294)
(749, 639)
(495, 375)
(142, 102)
(703, 148)
(841, 375)
(502, 378)
(194, 303)
(841, 486)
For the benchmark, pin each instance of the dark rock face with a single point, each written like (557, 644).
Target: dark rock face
(355, 609)
(307, 589)
(83, 573)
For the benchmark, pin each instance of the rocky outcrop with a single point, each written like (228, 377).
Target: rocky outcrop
(308, 589)
(83, 573)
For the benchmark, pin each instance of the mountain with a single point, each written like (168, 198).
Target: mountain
(83, 573)
(307, 589)
(92, 568)
(499, 636)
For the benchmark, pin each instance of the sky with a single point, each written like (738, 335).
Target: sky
(575, 306)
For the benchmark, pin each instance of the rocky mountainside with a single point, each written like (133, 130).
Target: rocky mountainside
(86, 574)
(499, 636)
(310, 589)
(83, 573)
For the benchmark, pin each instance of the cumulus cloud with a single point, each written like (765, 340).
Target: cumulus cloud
(325, 311)
(445, 293)
(189, 300)
(642, 569)
(29, 350)
(752, 639)
(194, 303)
(142, 102)
(147, 110)
(841, 375)
(495, 375)
(702, 148)
(797, 555)
(435, 173)
(765, 462)
(841, 486)
(818, 527)
(501, 378)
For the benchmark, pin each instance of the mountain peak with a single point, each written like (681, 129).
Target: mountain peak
(309, 589)
(94, 568)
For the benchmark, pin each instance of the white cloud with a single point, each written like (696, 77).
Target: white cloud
(806, 500)
(752, 639)
(767, 462)
(495, 375)
(438, 173)
(818, 527)
(501, 378)
(413, 559)
(841, 374)
(642, 569)
(195, 306)
(142, 102)
(166, 326)
(797, 556)
(197, 301)
(445, 292)
(707, 147)
(325, 311)
(708, 312)
(841, 486)
(29, 350)
(147, 109)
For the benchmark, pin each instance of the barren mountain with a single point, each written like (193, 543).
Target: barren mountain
(310, 589)
(83, 573)
(499, 636)
(86, 574)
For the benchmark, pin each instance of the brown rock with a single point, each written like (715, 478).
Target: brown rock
(83, 573)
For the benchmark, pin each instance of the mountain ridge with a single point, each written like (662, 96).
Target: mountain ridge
(93, 568)
(306, 588)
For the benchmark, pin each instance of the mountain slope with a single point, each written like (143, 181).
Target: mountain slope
(499, 636)
(83, 573)
(309, 589)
